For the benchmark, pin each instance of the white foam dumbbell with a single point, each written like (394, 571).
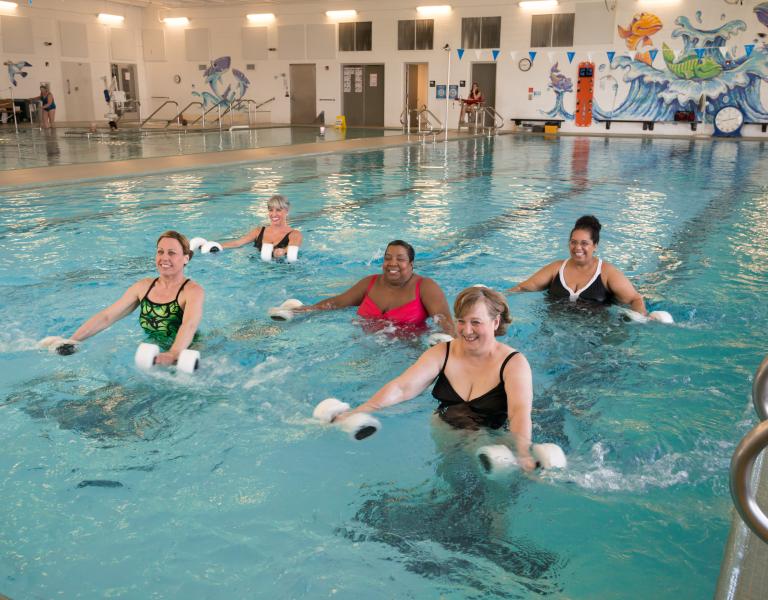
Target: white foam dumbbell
(266, 252)
(188, 361)
(196, 243)
(284, 312)
(549, 456)
(145, 355)
(210, 247)
(499, 458)
(59, 345)
(359, 426)
(434, 339)
(293, 254)
(662, 316)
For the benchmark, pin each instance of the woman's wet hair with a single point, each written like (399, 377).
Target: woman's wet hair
(591, 224)
(278, 201)
(408, 248)
(495, 303)
(179, 237)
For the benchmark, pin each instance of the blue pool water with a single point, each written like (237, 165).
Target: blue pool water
(34, 148)
(118, 483)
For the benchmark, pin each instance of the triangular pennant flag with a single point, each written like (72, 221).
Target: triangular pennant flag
(513, 54)
(478, 53)
(700, 53)
(495, 54)
(748, 48)
(652, 54)
(610, 54)
(570, 56)
(551, 57)
(532, 54)
(460, 52)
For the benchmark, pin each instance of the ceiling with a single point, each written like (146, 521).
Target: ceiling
(198, 3)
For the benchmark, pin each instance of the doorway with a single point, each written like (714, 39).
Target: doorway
(303, 94)
(124, 75)
(416, 86)
(485, 76)
(363, 95)
(78, 95)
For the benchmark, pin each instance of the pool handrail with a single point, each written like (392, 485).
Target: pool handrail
(745, 455)
(144, 122)
(181, 112)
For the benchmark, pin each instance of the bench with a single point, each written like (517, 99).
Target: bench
(520, 120)
(763, 126)
(647, 123)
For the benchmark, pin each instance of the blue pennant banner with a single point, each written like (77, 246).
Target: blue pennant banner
(532, 54)
(570, 56)
(495, 54)
(653, 54)
(460, 52)
(748, 48)
(610, 54)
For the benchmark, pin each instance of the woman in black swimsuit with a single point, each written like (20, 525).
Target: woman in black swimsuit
(479, 381)
(584, 276)
(278, 232)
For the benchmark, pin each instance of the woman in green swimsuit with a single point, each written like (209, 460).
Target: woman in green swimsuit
(171, 305)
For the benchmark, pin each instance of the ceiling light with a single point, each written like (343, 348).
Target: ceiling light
(442, 9)
(107, 18)
(537, 4)
(176, 21)
(261, 18)
(9, 5)
(658, 2)
(340, 14)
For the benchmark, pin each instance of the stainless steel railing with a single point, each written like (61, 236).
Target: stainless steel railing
(745, 455)
(157, 110)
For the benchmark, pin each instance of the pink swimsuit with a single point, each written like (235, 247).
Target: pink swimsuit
(410, 313)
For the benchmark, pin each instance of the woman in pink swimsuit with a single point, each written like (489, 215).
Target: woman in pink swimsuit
(398, 296)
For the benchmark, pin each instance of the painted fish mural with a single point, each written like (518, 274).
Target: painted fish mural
(17, 69)
(761, 10)
(225, 88)
(691, 66)
(560, 84)
(657, 94)
(642, 27)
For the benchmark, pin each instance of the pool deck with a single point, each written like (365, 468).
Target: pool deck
(58, 174)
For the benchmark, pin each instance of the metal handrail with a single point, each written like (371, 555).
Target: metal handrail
(157, 110)
(425, 111)
(181, 112)
(495, 116)
(202, 116)
(745, 455)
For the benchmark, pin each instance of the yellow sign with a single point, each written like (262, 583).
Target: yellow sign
(341, 122)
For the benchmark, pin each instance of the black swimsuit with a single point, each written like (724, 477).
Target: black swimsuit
(594, 291)
(281, 244)
(488, 410)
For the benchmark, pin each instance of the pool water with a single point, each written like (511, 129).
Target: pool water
(35, 148)
(125, 484)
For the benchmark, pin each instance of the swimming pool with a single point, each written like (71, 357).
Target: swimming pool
(125, 484)
(35, 148)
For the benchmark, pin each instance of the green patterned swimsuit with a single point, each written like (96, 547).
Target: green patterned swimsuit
(161, 322)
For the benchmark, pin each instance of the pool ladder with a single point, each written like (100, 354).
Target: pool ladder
(745, 455)
(426, 122)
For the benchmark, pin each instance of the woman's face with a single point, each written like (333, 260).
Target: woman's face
(581, 246)
(397, 266)
(475, 327)
(170, 258)
(277, 215)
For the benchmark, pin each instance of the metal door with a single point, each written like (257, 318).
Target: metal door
(303, 94)
(485, 76)
(374, 95)
(363, 95)
(77, 92)
(125, 76)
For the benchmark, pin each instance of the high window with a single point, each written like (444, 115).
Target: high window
(552, 30)
(355, 37)
(481, 32)
(415, 34)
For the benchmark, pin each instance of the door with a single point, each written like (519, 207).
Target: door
(303, 90)
(363, 95)
(485, 76)
(77, 92)
(125, 77)
(415, 90)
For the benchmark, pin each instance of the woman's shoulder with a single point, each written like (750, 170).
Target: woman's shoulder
(192, 286)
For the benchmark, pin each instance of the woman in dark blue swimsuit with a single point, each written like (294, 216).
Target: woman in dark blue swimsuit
(49, 106)
(479, 381)
(584, 276)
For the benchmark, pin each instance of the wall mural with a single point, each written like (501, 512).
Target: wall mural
(704, 69)
(17, 70)
(226, 86)
(560, 84)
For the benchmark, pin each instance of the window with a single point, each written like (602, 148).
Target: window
(481, 32)
(552, 30)
(355, 37)
(415, 35)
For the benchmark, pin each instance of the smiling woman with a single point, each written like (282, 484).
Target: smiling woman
(171, 306)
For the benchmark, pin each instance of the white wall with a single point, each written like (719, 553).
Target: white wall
(156, 78)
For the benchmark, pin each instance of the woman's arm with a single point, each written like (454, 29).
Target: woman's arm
(103, 319)
(242, 241)
(623, 289)
(518, 385)
(295, 238)
(540, 280)
(352, 297)
(437, 307)
(193, 313)
(409, 384)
